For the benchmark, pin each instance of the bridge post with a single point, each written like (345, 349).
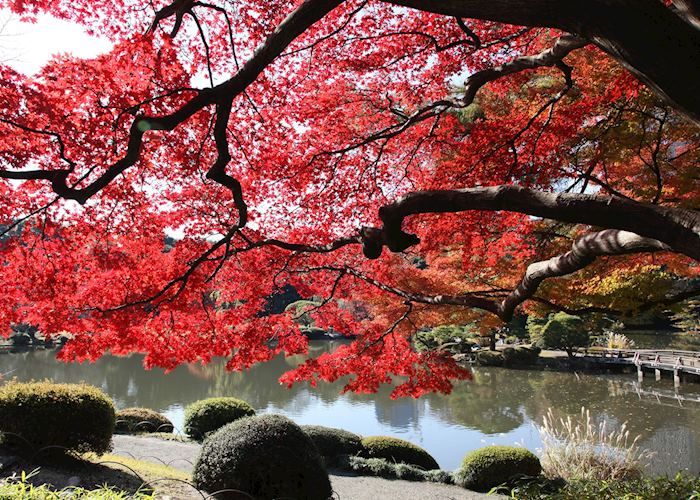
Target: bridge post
(657, 374)
(640, 373)
(677, 372)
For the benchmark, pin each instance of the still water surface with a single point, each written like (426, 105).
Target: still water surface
(499, 406)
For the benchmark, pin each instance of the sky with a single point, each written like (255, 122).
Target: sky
(28, 46)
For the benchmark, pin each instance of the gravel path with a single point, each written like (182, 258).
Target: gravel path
(183, 456)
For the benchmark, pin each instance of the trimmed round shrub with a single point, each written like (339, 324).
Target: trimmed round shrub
(134, 420)
(266, 456)
(333, 443)
(398, 451)
(208, 415)
(72, 417)
(491, 466)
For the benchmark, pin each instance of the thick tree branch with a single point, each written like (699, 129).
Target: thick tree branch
(178, 9)
(549, 57)
(675, 227)
(583, 252)
(660, 47)
(689, 10)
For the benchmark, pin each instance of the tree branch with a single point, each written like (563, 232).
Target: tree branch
(689, 10)
(660, 47)
(678, 228)
(308, 13)
(583, 252)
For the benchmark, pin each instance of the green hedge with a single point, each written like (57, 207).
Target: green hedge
(208, 415)
(37, 415)
(266, 456)
(135, 420)
(380, 467)
(492, 466)
(333, 443)
(398, 451)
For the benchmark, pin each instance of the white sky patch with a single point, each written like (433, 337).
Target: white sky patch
(26, 47)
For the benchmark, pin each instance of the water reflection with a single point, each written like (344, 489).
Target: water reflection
(498, 406)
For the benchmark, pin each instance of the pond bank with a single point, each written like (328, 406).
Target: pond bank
(182, 456)
(498, 406)
(666, 363)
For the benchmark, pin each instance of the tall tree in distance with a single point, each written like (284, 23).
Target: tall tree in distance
(406, 163)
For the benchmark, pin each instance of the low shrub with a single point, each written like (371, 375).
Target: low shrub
(333, 443)
(169, 436)
(489, 358)
(398, 451)
(266, 456)
(135, 420)
(520, 356)
(659, 488)
(71, 417)
(492, 466)
(208, 415)
(380, 467)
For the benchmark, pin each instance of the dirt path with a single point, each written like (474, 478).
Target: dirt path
(183, 456)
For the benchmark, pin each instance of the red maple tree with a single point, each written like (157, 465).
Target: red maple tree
(405, 162)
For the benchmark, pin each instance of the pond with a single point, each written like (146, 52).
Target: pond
(499, 406)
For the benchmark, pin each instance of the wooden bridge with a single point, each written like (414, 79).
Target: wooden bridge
(678, 362)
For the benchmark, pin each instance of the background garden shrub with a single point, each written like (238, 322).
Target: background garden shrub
(266, 456)
(562, 331)
(134, 420)
(333, 443)
(453, 338)
(489, 358)
(520, 356)
(492, 466)
(37, 415)
(398, 451)
(208, 415)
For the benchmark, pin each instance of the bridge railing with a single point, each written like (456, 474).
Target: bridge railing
(676, 360)
(604, 352)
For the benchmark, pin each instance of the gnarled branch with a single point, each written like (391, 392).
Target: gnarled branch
(678, 228)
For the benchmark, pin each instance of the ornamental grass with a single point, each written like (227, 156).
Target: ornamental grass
(582, 449)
